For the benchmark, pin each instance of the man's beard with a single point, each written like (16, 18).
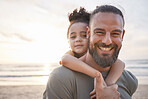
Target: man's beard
(105, 60)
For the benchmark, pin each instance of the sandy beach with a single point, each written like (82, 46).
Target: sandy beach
(36, 92)
(23, 92)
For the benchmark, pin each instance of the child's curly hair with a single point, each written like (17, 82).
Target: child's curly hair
(78, 16)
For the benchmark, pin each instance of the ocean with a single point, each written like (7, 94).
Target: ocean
(37, 74)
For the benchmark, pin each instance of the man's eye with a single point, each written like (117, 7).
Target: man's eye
(99, 33)
(116, 34)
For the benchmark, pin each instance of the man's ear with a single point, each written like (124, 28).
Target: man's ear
(87, 32)
(123, 34)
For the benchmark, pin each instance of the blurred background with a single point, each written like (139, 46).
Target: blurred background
(33, 37)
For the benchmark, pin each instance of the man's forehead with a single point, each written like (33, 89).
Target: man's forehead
(105, 16)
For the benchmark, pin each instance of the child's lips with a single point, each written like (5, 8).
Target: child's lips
(78, 46)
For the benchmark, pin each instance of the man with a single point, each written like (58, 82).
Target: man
(106, 32)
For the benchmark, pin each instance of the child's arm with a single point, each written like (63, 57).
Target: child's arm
(115, 72)
(71, 62)
(76, 64)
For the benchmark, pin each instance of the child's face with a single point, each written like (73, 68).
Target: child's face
(77, 38)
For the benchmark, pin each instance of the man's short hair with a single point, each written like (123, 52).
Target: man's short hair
(107, 8)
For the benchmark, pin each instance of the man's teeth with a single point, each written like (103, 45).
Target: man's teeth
(105, 48)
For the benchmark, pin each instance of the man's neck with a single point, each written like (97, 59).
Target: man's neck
(90, 61)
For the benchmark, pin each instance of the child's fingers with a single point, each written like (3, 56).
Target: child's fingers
(94, 83)
(114, 87)
(93, 92)
(99, 81)
(93, 96)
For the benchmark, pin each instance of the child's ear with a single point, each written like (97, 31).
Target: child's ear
(87, 32)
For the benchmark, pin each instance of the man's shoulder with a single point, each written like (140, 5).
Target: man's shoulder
(128, 81)
(61, 84)
(63, 73)
(128, 76)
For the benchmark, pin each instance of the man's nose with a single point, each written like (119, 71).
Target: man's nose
(107, 39)
(78, 39)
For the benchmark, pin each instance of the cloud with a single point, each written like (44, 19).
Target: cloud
(18, 35)
(22, 37)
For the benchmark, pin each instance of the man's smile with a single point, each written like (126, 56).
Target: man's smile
(105, 49)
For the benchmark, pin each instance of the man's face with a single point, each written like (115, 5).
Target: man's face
(105, 41)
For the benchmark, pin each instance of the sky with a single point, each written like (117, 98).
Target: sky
(34, 31)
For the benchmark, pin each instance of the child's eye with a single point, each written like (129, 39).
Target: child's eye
(73, 37)
(84, 36)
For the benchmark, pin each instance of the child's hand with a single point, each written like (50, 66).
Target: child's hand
(93, 93)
